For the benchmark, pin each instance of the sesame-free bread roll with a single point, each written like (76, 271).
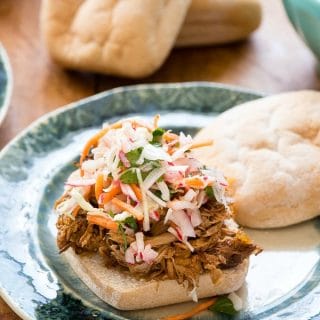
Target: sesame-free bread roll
(210, 22)
(132, 38)
(128, 38)
(127, 293)
(271, 147)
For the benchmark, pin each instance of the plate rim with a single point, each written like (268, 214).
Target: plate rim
(116, 90)
(42, 119)
(9, 86)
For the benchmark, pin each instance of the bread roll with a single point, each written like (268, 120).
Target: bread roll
(271, 147)
(211, 22)
(126, 293)
(132, 38)
(129, 38)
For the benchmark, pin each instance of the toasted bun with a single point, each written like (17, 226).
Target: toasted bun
(271, 147)
(126, 293)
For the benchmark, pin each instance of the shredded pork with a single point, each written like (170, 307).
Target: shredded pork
(216, 247)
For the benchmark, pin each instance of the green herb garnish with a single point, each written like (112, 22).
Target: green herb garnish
(111, 214)
(129, 176)
(223, 305)
(131, 223)
(157, 135)
(133, 156)
(209, 191)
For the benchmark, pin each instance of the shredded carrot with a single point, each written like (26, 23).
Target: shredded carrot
(103, 222)
(156, 121)
(76, 211)
(98, 188)
(194, 182)
(137, 191)
(127, 207)
(93, 141)
(204, 143)
(200, 307)
(108, 196)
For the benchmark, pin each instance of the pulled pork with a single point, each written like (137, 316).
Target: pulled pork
(216, 246)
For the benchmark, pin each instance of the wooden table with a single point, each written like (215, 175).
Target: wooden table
(273, 60)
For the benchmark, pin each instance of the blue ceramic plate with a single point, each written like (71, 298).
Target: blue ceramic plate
(5, 83)
(283, 282)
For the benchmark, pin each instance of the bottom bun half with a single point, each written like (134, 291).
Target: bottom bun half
(127, 293)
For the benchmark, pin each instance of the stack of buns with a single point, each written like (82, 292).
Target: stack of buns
(132, 38)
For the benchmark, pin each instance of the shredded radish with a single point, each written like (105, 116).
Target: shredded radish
(93, 165)
(193, 294)
(202, 198)
(183, 139)
(146, 221)
(138, 252)
(80, 182)
(124, 159)
(154, 214)
(156, 199)
(140, 242)
(66, 207)
(177, 234)
(181, 219)
(129, 256)
(122, 216)
(181, 169)
(181, 204)
(168, 215)
(127, 190)
(195, 217)
(165, 192)
(174, 177)
(152, 178)
(151, 152)
(236, 301)
(85, 205)
(190, 195)
(180, 152)
(149, 254)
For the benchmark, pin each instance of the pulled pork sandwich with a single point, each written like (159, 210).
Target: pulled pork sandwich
(145, 224)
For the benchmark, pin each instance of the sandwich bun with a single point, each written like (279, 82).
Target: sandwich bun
(124, 292)
(271, 148)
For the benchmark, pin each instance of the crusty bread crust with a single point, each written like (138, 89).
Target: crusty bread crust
(126, 293)
(271, 147)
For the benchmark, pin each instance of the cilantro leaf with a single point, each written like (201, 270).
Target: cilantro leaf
(209, 191)
(223, 305)
(134, 155)
(129, 176)
(111, 214)
(157, 135)
(131, 223)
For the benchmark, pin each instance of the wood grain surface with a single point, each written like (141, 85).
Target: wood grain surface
(274, 59)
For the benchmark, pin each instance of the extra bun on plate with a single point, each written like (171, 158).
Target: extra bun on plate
(271, 147)
(145, 224)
